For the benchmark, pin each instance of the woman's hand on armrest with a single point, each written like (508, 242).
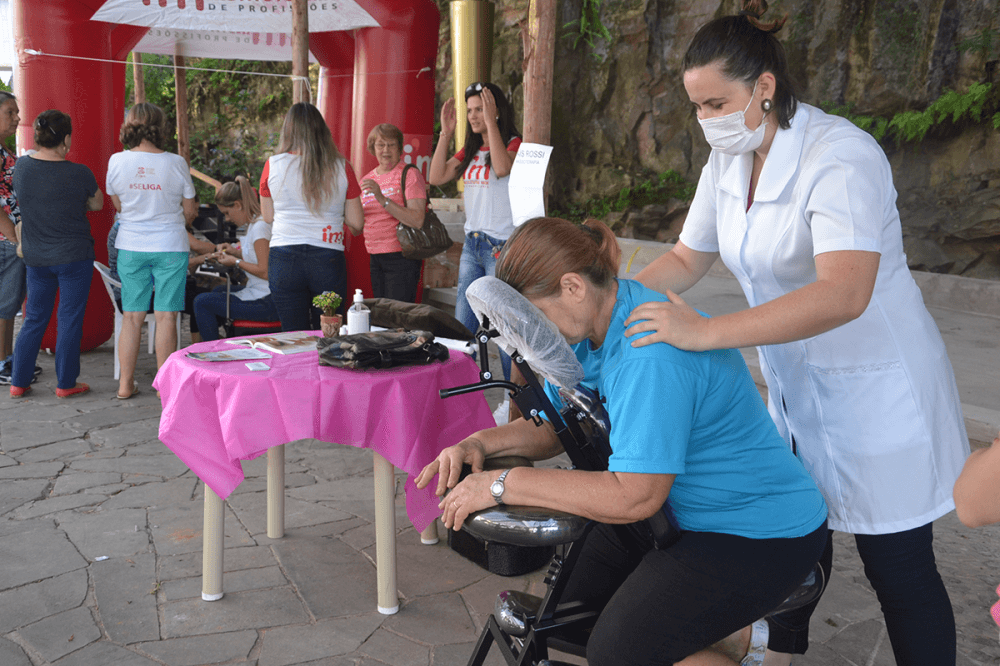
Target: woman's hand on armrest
(448, 465)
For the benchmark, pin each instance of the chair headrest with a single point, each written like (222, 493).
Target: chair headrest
(524, 328)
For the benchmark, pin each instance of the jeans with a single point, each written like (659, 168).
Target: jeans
(479, 258)
(918, 614)
(394, 276)
(73, 284)
(297, 273)
(210, 310)
(11, 280)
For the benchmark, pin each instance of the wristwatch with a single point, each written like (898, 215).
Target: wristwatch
(238, 263)
(497, 487)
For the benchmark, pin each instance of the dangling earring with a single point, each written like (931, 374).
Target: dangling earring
(766, 105)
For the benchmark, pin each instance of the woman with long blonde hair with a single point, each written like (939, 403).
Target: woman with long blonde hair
(308, 192)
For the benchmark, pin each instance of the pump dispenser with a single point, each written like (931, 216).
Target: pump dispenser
(358, 315)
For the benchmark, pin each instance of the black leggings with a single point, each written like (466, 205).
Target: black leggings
(660, 606)
(918, 613)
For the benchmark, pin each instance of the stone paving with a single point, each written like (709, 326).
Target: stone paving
(85, 479)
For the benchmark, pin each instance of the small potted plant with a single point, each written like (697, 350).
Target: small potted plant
(330, 321)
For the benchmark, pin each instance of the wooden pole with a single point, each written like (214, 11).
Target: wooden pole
(300, 51)
(138, 79)
(180, 88)
(539, 53)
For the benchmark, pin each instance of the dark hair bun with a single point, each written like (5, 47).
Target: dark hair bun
(42, 121)
(754, 9)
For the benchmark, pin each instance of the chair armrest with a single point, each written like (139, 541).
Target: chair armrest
(525, 526)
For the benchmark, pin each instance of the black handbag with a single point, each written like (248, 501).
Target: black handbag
(380, 349)
(427, 241)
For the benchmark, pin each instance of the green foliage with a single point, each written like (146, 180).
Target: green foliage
(230, 106)
(982, 43)
(654, 190)
(979, 104)
(589, 27)
(328, 302)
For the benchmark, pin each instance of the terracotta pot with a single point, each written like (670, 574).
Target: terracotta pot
(330, 325)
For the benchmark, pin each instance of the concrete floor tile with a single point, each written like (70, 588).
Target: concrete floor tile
(60, 556)
(235, 581)
(150, 495)
(58, 635)
(334, 579)
(46, 470)
(61, 451)
(167, 466)
(185, 565)
(252, 512)
(111, 415)
(125, 589)
(389, 648)
(43, 411)
(55, 505)
(103, 653)
(459, 653)
(15, 493)
(7, 460)
(202, 650)
(11, 654)
(822, 655)
(425, 570)
(177, 528)
(17, 435)
(864, 643)
(127, 434)
(361, 537)
(30, 603)
(234, 612)
(114, 533)
(74, 482)
(327, 638)
(436, 620)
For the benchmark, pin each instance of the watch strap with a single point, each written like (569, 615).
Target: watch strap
(498, 496)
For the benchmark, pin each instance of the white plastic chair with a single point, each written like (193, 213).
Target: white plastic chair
(150, 320)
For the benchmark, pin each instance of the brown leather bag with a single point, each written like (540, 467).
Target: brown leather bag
(427, 241)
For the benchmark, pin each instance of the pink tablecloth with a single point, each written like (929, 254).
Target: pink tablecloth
(217, 414)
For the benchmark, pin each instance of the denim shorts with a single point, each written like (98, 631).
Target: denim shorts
(12, 280)
(141, 271)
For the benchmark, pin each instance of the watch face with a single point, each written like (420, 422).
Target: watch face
(496, 489)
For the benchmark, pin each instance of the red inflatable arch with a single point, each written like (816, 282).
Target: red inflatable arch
(374, 75)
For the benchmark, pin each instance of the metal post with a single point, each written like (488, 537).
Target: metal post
(213, 535)
(385, 535)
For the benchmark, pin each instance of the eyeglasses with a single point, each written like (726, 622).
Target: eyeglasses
(474, 88)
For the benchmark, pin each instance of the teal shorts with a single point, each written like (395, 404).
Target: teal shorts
(140, 272)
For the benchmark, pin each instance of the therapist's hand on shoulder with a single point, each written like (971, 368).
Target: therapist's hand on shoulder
(674, 322)
(448, 465)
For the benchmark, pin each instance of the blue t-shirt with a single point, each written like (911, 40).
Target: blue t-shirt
(698, 415)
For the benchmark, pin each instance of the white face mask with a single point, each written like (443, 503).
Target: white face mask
(729, 134)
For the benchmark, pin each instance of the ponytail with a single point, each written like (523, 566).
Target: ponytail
(542, 250)
(241, 190)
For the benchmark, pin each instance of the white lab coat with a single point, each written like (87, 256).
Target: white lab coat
(872, 406)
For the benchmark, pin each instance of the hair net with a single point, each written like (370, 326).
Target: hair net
(524, 328)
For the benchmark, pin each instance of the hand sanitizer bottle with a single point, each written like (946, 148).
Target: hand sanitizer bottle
(357, 315)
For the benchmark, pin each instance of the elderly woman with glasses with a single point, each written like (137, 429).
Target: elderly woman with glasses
(393, 275)
(484, 163)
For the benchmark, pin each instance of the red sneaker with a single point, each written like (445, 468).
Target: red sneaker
(65, 393)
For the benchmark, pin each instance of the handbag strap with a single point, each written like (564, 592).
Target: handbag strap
(403, 185)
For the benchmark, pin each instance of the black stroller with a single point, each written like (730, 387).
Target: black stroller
(524, 627)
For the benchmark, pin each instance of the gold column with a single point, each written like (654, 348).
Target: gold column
(471, 52)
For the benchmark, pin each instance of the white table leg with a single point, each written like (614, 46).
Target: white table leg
(213, 536)
(429, 536)
(385, 535)
(276, 492)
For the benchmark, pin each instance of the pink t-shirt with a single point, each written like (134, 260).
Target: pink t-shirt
(380, 225)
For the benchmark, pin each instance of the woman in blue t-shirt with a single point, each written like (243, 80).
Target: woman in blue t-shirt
(54, 195)
(689, 433)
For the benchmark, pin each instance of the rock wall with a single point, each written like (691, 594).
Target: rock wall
(620, 111)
